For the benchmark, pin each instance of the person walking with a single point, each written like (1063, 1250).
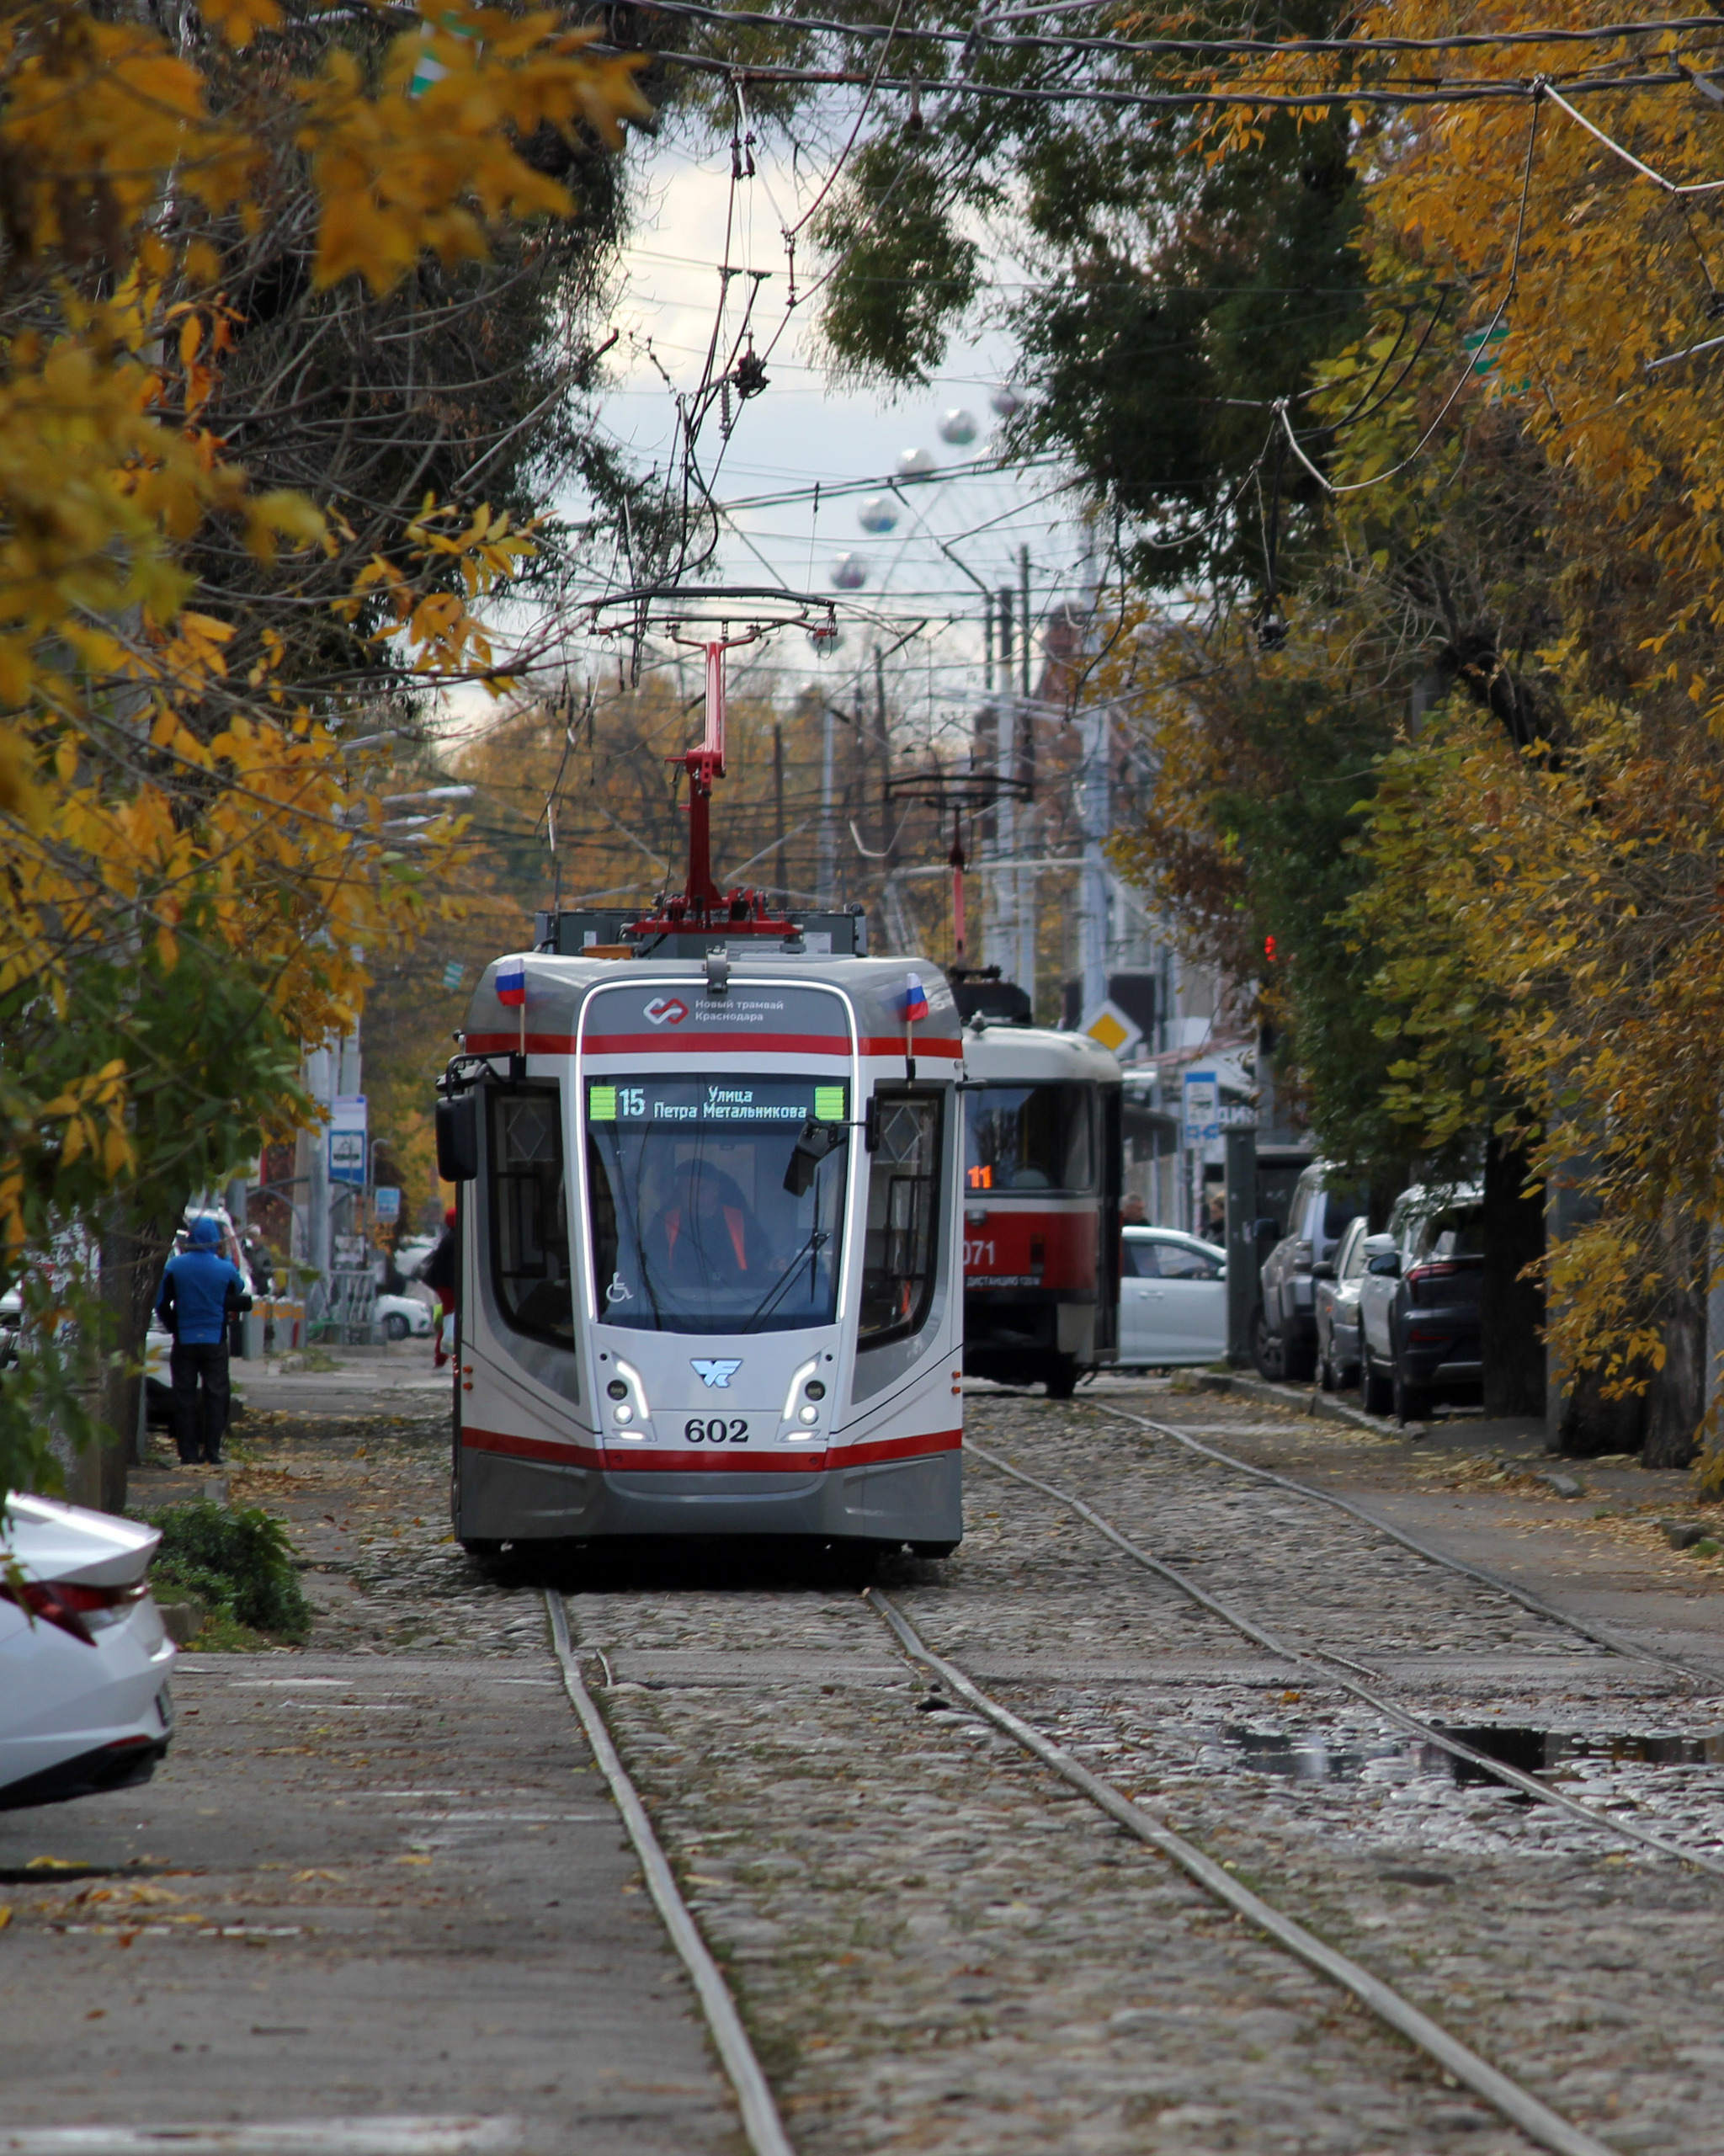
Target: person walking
(441, 1273)
(200, 1291)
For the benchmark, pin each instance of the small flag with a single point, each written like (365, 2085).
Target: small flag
(454, 973)
(511, 983)
(915, 1000)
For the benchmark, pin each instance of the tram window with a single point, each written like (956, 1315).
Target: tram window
(901, 1245)
(1028, 1138)
(711, 1210)
(530, 1221)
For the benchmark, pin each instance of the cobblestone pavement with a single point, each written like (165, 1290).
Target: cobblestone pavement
(939, 1946)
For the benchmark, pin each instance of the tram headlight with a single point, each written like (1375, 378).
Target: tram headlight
(617, 1389)
(626, 1414)
(811, 1414)
(815, 1390)
(798, 1379)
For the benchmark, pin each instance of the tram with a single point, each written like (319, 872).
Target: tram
(708, 1164)
(1042, 1170)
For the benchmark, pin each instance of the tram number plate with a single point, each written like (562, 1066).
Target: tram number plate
(716, 1429)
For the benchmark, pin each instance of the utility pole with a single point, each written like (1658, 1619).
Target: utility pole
(780, 867)
(827, 878)
(1003, 944)
(885, 759)
(1026, 878)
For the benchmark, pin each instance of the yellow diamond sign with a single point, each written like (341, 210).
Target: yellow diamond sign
(1110, 1026)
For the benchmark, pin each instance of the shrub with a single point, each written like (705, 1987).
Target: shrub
(238, 1563)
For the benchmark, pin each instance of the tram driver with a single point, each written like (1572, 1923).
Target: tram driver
(707, 1235)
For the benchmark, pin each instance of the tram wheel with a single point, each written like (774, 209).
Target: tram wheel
(480, 1545)
(932, 1549)
(1060, 1376)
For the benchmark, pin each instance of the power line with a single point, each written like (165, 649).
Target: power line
(1197, 48)
(1471, 90)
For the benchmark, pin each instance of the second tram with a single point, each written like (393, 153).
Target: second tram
(1042, 1156)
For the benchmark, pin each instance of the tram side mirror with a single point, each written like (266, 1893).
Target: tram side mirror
(458, 1138)
(817, 1142)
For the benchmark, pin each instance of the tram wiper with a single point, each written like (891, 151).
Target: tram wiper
(811, 1250)
(818, 1141)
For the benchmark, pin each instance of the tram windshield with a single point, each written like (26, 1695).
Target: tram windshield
(717, 1203)
(1028, 1138)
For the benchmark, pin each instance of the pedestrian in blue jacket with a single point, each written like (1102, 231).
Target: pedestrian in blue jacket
(201, 1289)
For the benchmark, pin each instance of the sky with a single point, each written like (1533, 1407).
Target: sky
(803, 429)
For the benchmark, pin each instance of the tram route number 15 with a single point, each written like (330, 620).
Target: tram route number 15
(716, 1429)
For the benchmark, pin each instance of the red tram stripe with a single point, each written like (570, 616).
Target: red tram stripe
(723, 1460)
(725, 1044)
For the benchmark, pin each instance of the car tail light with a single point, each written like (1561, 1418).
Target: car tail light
(83, 1612)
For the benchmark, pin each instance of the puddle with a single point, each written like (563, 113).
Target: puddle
(1560, 1754)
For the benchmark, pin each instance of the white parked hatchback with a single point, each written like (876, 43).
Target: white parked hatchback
(84, 1661)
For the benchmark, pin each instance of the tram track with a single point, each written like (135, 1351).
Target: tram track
(1516, 2104)
(1331, 1668)
(1604, 1635)
(711, 1716)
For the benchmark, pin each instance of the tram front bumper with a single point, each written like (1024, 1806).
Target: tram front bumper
(501, 1498)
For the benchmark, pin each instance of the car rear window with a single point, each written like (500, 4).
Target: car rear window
(1456, 1232)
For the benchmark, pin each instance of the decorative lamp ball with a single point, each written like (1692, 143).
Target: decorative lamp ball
(1005, 401)
(826, 636)
(959, 429)
(916, 464)
(849, 573)
(878, 513)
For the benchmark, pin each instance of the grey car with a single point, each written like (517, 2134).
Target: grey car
(1323, 1207)
(1338, 1281)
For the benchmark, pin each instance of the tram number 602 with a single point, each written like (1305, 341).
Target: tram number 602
(719, 1430)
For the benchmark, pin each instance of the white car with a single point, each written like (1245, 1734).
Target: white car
(396, 1316)
(1172, 1299)
(84, 1660)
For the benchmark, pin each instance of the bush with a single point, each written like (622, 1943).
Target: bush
(239, 1563)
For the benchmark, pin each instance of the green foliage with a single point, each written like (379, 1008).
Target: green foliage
(238, 1563)
(905, 274)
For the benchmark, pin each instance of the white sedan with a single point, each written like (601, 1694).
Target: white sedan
(84, 1701)
(1172, 1299)
(398, 1316)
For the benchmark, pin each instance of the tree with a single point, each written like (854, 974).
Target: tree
(195, 856)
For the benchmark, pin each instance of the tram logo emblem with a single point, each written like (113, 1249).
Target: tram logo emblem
(666, 1010)
(719, 1373)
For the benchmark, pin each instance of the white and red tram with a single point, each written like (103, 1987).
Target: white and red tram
(710, 1230)
(1042, 1161)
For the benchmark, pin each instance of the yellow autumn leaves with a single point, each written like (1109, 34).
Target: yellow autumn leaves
(147, 790)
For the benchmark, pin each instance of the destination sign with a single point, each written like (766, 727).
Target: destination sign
(704, 1102)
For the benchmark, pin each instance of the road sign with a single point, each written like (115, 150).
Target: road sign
(1203, 1108)
(388, 1197)
(1116, 1029)
(347, 1139)
(454, 973)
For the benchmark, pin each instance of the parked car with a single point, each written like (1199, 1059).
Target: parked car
(84, 1700)
(1337, 1281)
(1323, 1206)
(11, 1325)
(1419, 1303)
(396, 1316)
(1172, 1299)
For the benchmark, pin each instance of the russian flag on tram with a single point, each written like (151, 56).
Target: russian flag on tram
(915, 1000)
(511, 982)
